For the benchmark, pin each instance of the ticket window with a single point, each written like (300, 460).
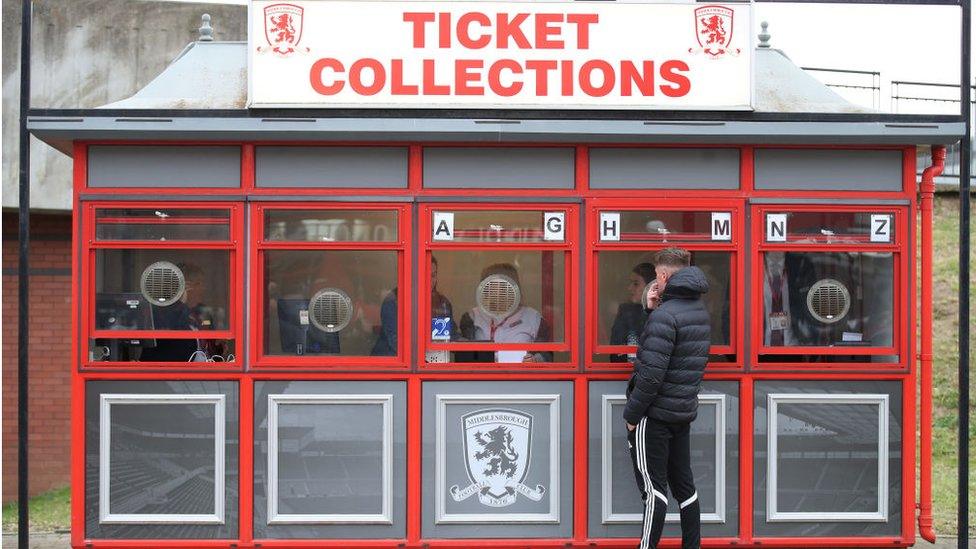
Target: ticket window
(827, 285)
(330, 284)
(162, 282)
(622, 262)
(500, 287)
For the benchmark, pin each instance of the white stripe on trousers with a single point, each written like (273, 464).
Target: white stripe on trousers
(648, 487)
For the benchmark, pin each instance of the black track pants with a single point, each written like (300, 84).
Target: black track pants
(661, 453)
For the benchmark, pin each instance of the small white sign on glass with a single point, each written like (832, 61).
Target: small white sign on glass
(609, 226)
(554, 224)
(721, 226)
(880, 228)
(775, 227)
(443, 225)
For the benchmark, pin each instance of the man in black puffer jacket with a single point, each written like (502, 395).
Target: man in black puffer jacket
(662, 396)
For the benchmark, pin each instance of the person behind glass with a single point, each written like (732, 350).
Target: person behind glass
(523, 325)
(441, 314)
(179, 316)
(629, 322)
(662, 395)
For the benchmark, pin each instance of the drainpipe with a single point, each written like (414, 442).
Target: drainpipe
(927, 189)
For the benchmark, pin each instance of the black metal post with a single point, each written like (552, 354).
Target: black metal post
(965, 159)
(23, 282)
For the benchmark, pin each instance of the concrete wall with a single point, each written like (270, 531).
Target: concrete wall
(86, 53)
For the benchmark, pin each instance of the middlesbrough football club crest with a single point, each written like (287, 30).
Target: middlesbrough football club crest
(283, 28)
(497, 444)
(713, 28)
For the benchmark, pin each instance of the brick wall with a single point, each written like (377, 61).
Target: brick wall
(50, 352)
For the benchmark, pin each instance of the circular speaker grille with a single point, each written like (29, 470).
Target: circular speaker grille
(162, 283)
(829, 300)
(330, 310)
(498, 296)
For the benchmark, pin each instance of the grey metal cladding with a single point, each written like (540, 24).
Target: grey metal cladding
(331, 167)
(499, 168)
(828, 169)
(660, 168)
(162, 459)
(208, 166)
(827, 458)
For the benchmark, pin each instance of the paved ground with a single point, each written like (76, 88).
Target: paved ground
(61, 541)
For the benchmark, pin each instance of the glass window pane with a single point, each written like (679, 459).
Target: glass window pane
(330, 302)
(622, 278)
(331, 225)
(842, 299)
(827, 458)
(839, 227)
(161, 350)
(162, 224)
(498, 226)
(162, 289)
(665, 226)
(500, 296)
(330, 459)
(178, 440)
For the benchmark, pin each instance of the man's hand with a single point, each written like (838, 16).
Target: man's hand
(653, 295)
(631, 427)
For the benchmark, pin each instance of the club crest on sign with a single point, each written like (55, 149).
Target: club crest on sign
(283, 28)
(713, 29)
(497, 446)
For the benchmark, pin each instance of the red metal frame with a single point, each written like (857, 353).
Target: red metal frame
(900, 273)
(87, 279)
(745, 372)
(260, 361)
(569, 247)
(735, 247)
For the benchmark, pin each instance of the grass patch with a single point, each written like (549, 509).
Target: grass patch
(48, 512)
(945, 394)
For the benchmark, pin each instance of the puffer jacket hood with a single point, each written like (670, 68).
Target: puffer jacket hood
(672, 353)
(689, 282)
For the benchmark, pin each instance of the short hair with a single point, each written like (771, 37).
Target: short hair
(677, 258)
(506, 269)
(645, 271)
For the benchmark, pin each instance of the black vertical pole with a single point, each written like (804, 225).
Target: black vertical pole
(23, 283)
(965, 168)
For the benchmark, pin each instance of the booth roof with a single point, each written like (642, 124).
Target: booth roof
(208, 83)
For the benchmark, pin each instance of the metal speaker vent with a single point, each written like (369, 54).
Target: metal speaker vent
(498, 296)
(829, 300)
(330, 310)
(162, 283)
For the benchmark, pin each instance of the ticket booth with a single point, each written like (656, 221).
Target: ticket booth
(374, 328)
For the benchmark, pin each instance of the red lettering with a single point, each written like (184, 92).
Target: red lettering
(397, 87)
(495, 79)
(545, 31)
(464, 30)
(431, 87)
(541, 69)
(671, 71)
(567, 78)
(315, 76)
(586, 78)
(419, 21)
(464, 75)
(583, 22)
(356, 76)
(643, 78)
(444, 30)
(511, 29)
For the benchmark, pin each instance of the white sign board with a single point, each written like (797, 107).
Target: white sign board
(542, 55)
(721, 226)
(609, 226)
(555, 226)
(880, 228)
